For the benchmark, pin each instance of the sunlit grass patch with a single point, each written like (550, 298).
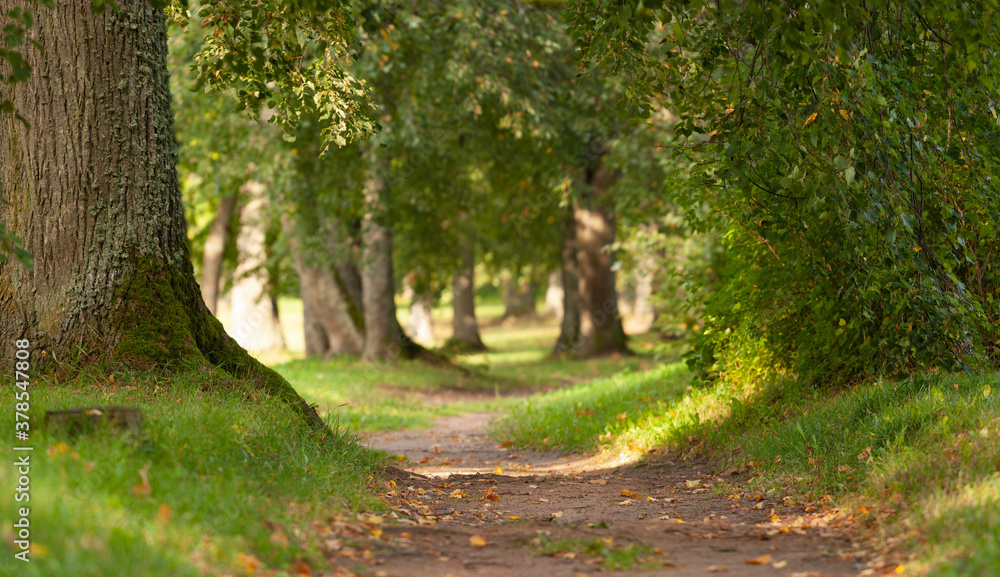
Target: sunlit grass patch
(629, 407)
(217, 480)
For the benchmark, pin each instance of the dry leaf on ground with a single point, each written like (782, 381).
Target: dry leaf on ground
(762, 560)
(477, 541)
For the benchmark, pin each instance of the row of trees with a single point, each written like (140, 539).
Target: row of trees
(483, 126)
(492, 150)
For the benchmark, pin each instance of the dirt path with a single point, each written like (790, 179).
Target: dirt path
(464, 506)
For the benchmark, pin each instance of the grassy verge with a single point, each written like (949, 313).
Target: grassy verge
(917, 461)
(219, 483)
(410, 394)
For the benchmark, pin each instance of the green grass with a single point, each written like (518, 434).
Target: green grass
(628, 406)
(225, 472)
(371, 397)
(917, 460)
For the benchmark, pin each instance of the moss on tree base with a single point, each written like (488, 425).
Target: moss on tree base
(162, 322)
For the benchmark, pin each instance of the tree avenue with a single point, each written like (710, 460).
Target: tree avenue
(93, 191)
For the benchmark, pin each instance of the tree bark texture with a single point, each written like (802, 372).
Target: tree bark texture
(255, 323)
(328, 305)
(215, 247)
(94, 194)
(592, 325)
(464, 326)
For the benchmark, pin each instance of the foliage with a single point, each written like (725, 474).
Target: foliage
(848, 151)
(287, 55)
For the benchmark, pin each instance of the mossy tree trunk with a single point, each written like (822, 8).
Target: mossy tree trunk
(95, 196)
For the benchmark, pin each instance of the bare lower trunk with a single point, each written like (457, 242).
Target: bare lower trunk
(591, 322)
(314, 334)
(569, 340)
(464, 326)
(94, 194)
(600, 323)
(643, 314)
(384, 338)
(554, 295)
(215, 246)
(421, 322)
(518, 299)
(333, 316)
(255, 322)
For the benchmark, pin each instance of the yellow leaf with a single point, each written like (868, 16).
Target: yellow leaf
(845, 114)
(477, 541)
(810, 120)
(375, 520)
(762, 560)
(376, 532)
(627, 493)
(916, 249)
(842, 322)
(779, 564)
(900, 569)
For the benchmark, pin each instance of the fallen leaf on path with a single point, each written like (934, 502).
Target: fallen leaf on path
(491, 495)
(716, 569)
(557, 514)
(598, 482)
(543, 500)
(627, 493)
(762, 560)
(477, 541)
(779, 564)
(300, 568)
(625, 502)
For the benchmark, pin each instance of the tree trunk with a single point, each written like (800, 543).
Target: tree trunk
(464, 327)
(94, 194)
(569, 340)
(554, 295)
(255, 322)
(215, 246)
(331, 309)
(421, 321)
(316, 341)
(587, 255)
(384, 338)
(518, 299)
